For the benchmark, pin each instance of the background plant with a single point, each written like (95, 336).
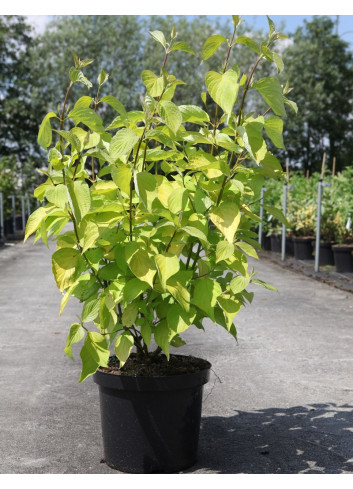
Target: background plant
(160, 201)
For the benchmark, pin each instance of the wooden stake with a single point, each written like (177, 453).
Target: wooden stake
(307, 174)
(323, 166)
(333, 166)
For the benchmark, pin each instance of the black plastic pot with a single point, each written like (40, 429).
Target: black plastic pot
(303, 249)
(266, 242)
(151, 424)
(276, 243)
(326, 254)
(343, 259)
(289, 245)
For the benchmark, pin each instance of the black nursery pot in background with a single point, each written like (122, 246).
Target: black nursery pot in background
(289, 245)
(303, 249)
(343, 259)
(276, 243)
(326, 254)
(266, 242)
(151, 424)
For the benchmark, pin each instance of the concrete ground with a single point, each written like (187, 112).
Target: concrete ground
(279, 401)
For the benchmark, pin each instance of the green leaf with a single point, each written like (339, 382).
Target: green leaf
(84, 101)
(133, 289)
(162, 337)
(123, 346)
(75, 335)
(226, 218)
(278, 214)
(239, 283)
(224, 250)
(94, 354)
(71, 138)
(271, 26)
(154, 84)
(140, 263)
(87, 117)
(253, 140)
(291, 104)
(80, 198)
(102, 77)
(223, 88)
(129, 315)
(90, 310)
(247, 248)
(182, 46)
(178, 200)
(230, 309)
(171, 115)
(57, 195)
(121, 175)
(205, 295)
(123, 142)
(179, 320)
(159, 37)
(76, 75)
(271, 90)
(167, 266)
(146, 188)
(179, 292)
(45, 133)
(211, 46)
(192, 113)
(67, 265)
(195, 232)
(264, 284)
(274, 130)
(115, 103)
(279, 62)
(146, 332)
(250, 43)
(34, 221)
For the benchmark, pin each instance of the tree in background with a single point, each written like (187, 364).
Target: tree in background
(18, 111)
(320, 67)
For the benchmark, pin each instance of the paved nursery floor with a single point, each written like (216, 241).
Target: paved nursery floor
(279, 401)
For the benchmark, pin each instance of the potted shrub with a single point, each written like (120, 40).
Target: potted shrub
(342, 249)
(159, 203)
(301, 213)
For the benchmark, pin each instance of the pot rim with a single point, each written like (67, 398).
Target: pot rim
(180, 381)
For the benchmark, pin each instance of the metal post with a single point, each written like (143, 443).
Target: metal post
(12, 197)
(318, 222)
(23, 212)
(28, 206)
(2, 229)
(285, 190)
(261, 214)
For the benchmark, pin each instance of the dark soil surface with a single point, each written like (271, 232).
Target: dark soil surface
(157, 366)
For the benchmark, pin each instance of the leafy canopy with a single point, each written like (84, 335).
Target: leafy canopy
(160, 202)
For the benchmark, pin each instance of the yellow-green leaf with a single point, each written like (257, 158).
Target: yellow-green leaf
(67, 264)
(226, 218)
(123, 346)
(167, 266)
(223, 88)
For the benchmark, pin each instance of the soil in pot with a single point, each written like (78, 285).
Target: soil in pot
(276, 243)
(303, 248)
(343, 258)
(151, 413)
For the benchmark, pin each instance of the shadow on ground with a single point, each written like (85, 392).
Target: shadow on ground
(312, 439)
